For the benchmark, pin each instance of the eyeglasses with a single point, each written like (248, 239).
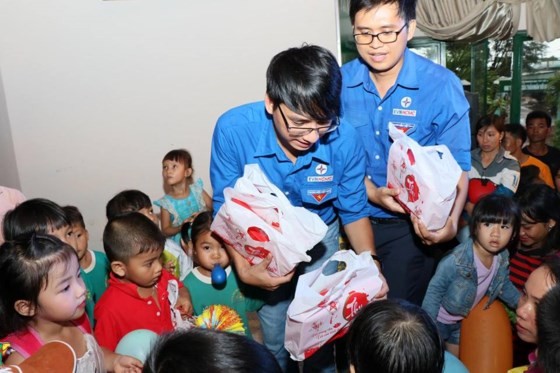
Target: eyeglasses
(384, 37)
(302, 131)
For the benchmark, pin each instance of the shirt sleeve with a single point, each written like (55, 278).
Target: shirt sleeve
(224, 167)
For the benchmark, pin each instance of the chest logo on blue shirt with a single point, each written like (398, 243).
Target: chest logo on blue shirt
(403, 127)
(319, 195)
(406, 101)
(321, 169)
(404, 112)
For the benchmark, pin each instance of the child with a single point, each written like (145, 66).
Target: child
(174, 259)
(94, 264)
(42, 298)
(208, 251)
(393, 335)
(9, 198)
(41, 216)
(477, 267)
(184, 196)
(141, 293)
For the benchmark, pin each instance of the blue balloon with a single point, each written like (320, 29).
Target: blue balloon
(218, 275)
(138, 343)
(453, 365)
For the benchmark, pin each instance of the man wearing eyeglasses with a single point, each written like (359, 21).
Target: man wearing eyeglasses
(296, 139)
(390, 84)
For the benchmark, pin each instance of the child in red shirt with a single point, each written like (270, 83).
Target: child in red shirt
(141, 294)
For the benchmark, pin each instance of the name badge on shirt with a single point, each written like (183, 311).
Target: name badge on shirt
(404, 112)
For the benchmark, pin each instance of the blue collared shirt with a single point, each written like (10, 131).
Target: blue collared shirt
(427, 101)
(328, 179)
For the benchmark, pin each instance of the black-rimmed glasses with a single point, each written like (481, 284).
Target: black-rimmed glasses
(385, 37)
(302, 131)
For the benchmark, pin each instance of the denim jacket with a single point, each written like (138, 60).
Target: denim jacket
(454, 284)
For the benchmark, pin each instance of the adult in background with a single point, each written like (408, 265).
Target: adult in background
(539, 127)
(318, 162)
(390, 84)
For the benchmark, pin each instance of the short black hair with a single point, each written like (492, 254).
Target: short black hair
(495, 208)
(407, 8)
(394, 336)
(307, 80)
(74, 216)
(129, 235)
(211, 351)
(538, 114)
(130, 200)
(38, 215)
(517, 131)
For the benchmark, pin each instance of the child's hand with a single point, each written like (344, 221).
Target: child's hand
(170, 266)
(127, 364)
(184, 303)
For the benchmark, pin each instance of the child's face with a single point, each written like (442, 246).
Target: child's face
(208, 251)
(532, 234)
(64, 298)
(81, 236)
(149, 213)
(144, 269)
(174, 172)
(493, 237)
(65, 234)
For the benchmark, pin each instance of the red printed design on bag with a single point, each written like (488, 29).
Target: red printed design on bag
(310, 351)
(258, 234)
(411, 188)
(353, 303)
(410, 155)
(259, 252)
(242, 203)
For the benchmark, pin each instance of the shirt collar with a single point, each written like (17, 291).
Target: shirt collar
(126, 287)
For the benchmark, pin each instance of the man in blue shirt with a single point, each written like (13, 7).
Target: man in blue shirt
(390, 84)
(296, 139)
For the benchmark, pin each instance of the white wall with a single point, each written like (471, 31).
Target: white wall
(96, 92)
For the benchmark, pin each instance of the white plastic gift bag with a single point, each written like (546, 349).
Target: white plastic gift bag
(427, 177)
(326, 300)
(257, 219)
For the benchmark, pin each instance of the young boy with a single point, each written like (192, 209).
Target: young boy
(94, 264)
(175, 260)
(141, 293)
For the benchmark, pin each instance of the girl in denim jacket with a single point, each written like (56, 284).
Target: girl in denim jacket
(475, 268)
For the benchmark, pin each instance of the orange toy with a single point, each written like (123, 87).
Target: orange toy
(486, 340)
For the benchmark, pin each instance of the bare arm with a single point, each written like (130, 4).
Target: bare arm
(207, 200)
(120, 363)
(166, 227)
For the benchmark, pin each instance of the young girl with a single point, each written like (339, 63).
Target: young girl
(184, 196)
(475, 268)
(43, 298)
(208, 251)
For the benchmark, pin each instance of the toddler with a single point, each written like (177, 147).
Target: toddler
(43, 298)
(174, 258)
(141, 294)
(184, 196)
(477, 267)
(208, 251)
(94, 264)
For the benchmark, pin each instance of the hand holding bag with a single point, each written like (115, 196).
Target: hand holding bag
(257, 219)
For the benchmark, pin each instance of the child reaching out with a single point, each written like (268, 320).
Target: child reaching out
(43, 298)
(141, 294)
(477, 267)
(208, 251)
(184, 196)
